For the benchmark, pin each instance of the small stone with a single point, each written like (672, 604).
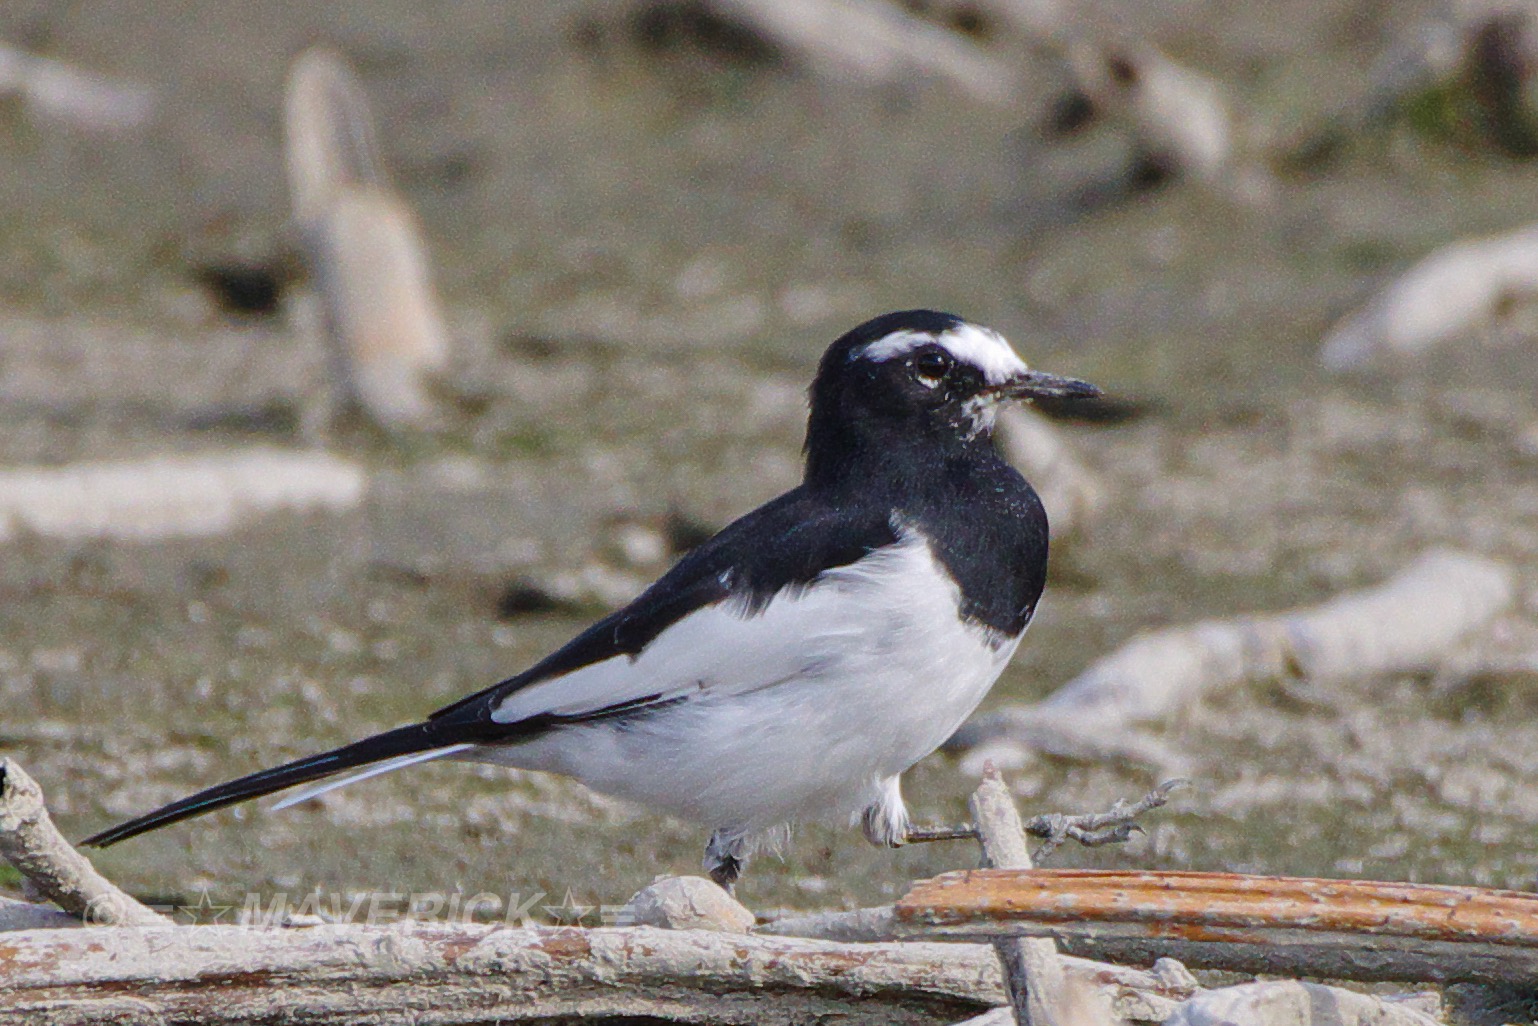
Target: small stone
(1291, 1003)
(1174, 975)
(688, 903)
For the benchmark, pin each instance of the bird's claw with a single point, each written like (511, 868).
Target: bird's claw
(1114, 826)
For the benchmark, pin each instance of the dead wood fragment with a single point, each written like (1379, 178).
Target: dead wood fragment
(474, 973)
(1338, 929)
(1407, 624)
(1093, 829)
(1032, 973)
(173, 496)
(871, 41)
(1451, 293)
(30, 842)
(1134, 995)
(1180, 117)
(379, 311)
(54, 91)
(1294, 1003)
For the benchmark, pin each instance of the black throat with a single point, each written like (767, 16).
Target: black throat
(985, 522)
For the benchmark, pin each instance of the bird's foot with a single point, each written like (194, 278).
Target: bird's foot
(725, 859)
(1114, 826)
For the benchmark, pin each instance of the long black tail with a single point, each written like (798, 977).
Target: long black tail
(418, 737)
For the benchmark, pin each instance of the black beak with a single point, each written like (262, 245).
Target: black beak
(1038, 385)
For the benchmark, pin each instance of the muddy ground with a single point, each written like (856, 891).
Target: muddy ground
(642, 249)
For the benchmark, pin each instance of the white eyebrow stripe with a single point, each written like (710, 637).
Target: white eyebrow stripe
(898, 343)
(984, 349)
(972, 344)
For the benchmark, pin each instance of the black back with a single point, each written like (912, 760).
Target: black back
(880, 453)
(883, 453)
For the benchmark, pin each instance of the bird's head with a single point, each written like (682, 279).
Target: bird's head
(923, 377)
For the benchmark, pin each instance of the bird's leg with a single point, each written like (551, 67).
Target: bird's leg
(885, 821)
(922, 835)
(886, 824)
(725, 859)
(1092, 829)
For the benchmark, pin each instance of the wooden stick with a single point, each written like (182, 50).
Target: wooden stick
(1032, 974)
(1408, 623)
(1338, 929)
(31, 843)
(451, 973)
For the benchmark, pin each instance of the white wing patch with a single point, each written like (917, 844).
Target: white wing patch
(798, 711)
(304, 794)
(725, 649)
(972, 344)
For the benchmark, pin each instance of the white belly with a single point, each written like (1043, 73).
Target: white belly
(797, 711)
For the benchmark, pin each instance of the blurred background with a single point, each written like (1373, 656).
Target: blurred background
(644, 222)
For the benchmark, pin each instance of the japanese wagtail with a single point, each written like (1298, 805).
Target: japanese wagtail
(798, 662)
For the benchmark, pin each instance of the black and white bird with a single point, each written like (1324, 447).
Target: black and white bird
(797, 663)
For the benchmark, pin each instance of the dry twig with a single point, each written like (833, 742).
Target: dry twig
(379, 311)
(1288, 926)
(1032, 973)
(1409, 623)
(474, 973)
(173, 496)
(31, 843)
(1093, 829)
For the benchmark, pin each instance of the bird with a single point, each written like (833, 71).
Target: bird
(793, 666)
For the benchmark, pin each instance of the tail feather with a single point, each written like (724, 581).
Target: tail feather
(419, 739)
(379, 768)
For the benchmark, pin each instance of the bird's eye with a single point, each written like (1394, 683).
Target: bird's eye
(930, 367)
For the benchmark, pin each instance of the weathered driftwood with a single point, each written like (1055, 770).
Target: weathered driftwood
(51, 90)
(173, 496)
(1134, 995)
(1033, 974)
(1093, 829)
(872, 41)
(1456, 290)
(1407, 624)
(379, 311)
(1069, 490)
(1292, 1003)
(1339, 929)
(328, 133)
(1180, 117)
(30, 842)
(215, 975)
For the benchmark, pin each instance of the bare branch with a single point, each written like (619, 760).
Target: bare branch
(31, 843)
(1032, 972)
(1093, 829)
(1409, 623)
(475, 973)
(174, 495)
(1289, 926)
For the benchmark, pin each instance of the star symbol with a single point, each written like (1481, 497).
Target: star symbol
(205, 910)
(568, 912)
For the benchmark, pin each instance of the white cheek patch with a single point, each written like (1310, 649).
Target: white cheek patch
(970, 344)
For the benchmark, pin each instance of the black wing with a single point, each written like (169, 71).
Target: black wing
(785, 543)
